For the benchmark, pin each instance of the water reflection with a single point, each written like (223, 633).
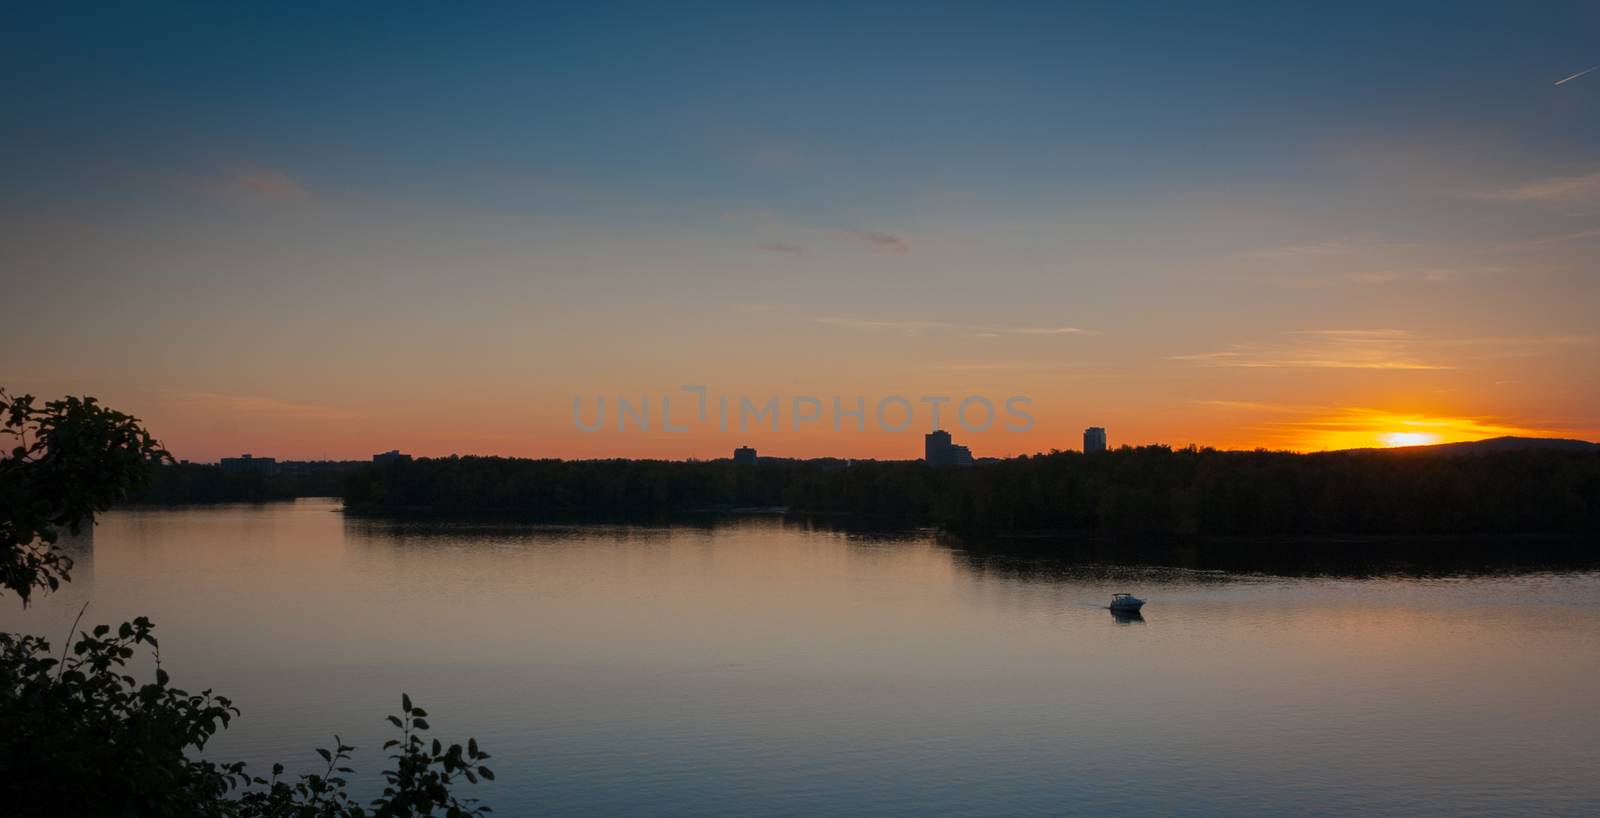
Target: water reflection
(79, 548)
(1048, 558)
(1126, 617)
(781, 665)
(1354, 558)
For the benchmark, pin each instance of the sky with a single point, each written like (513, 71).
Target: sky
(336, 229)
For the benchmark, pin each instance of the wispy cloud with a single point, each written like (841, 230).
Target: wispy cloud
(248, 184)
(1401, 274)
(1323, 349)
(1496, 347)
(1562, 189)
(1273, 360)
(781, 247)
(1248, 406)
(778, 233)
(1545, 241)
(1363, 262)
(880, 241)
(1054, 331)
(1307, 250)
(1359, 334)
(1565, 80)
(919, 327)
(912, 327)
(1378, 349)
(1011, 366)
(271, 184)
(218, 403)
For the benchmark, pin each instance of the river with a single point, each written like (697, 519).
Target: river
(767, 666)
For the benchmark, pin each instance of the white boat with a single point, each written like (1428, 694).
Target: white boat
(1125, 602)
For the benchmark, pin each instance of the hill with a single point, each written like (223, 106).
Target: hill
(1497, 444)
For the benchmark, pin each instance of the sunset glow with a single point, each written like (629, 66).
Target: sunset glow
(1181, 243)
(848, 409)
(1393, 439)
(1362, 428)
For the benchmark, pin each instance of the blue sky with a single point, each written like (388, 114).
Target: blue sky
(661, 101)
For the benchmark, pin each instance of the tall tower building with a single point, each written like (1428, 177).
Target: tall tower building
(1094, 439)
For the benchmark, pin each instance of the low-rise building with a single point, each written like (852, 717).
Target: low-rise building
(249, 464)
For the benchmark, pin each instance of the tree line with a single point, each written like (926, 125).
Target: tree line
(1148, 490)
(198, 483)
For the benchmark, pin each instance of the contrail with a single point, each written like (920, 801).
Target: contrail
(1575, 76)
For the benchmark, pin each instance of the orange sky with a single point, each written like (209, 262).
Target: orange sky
(1215, 354)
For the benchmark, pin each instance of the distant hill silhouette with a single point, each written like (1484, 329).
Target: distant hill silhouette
(1496, 444)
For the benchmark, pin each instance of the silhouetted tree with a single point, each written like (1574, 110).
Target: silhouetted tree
(80, 735)
(67, 461)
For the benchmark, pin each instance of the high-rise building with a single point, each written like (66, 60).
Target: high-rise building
(1094, 439)
(745, 456)
(938, 450)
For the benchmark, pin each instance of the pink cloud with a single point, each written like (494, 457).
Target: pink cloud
(269, 184)
(781, 247)
(882, 242)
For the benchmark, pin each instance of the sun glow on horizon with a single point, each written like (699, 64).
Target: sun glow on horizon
(1331, 429)
(1397, 439)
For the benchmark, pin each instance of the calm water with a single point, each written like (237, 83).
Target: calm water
(768, 668)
